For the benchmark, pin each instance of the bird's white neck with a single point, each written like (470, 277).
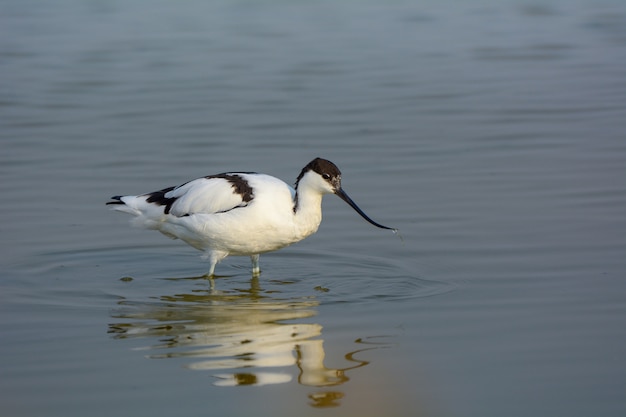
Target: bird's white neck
(307, 211)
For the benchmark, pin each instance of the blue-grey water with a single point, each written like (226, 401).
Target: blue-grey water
(491, 133)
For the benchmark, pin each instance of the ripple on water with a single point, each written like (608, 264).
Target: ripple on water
(260, 330)
(243, 330)
(329, 276)
(355, 278)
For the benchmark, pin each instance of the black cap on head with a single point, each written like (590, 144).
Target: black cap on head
(322, 166)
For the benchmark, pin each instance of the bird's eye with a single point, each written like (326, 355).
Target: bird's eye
(326, 176)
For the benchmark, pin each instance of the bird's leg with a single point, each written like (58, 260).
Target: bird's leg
(211, 273)
(256, 270)
(213, 257)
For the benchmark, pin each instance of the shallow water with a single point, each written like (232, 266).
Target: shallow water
(492, 134)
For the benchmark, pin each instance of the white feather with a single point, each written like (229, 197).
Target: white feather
(204, 195)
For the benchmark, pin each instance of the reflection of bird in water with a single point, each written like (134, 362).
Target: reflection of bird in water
(325, 399)
(259, 338)
(239, 213)
(310, 361)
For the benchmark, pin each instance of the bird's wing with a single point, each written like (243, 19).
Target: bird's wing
(213, 194)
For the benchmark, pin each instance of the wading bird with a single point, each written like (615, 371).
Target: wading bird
(239, 213)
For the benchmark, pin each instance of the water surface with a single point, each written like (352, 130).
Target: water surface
(492, 134)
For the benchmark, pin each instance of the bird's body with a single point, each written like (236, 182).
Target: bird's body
(239, 213)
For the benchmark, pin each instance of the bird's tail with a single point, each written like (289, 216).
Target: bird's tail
(120, 203)
(145, 214)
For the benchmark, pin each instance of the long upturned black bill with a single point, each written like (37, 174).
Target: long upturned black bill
(342, 194)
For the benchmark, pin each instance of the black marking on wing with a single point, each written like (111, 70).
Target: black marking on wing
(158, 198)
(239, 184)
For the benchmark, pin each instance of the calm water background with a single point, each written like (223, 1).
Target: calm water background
(492, 133)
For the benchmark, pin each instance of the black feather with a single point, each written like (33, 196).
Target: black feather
(158, 198)
(118, 200)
